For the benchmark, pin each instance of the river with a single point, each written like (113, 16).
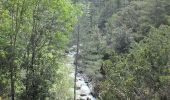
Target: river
(83, 87)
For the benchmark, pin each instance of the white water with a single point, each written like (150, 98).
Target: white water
(83, 91)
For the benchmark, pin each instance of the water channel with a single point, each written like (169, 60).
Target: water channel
(83, 86)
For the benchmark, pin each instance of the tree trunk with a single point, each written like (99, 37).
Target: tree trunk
(12, 81)
(77, 53)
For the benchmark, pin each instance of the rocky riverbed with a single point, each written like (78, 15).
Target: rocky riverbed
(83, 86)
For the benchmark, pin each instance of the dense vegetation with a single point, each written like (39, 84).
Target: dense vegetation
(124, 48)
(33, 35)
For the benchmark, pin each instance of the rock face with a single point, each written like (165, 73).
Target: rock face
(83, 87)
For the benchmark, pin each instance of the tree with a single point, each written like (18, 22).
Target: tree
(142, 70)
(33, 35)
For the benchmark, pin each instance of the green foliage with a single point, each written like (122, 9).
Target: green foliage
(90, 55)
(33, 35)
(131, 49)
(141, 73)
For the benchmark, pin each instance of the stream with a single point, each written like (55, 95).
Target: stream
(83, 86)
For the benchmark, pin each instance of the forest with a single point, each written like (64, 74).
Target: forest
(84, 49)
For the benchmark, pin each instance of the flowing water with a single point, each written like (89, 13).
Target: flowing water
(83, 87)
